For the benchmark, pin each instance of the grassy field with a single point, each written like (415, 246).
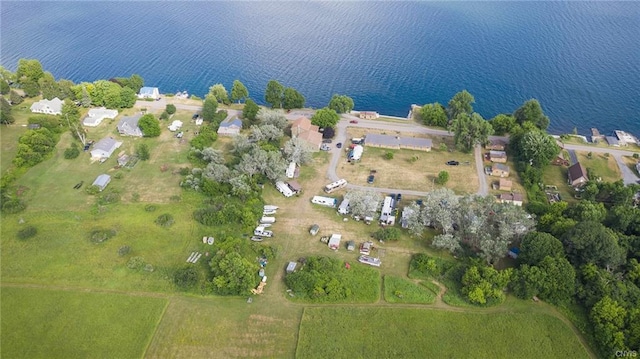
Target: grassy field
(557, 176)
(605, 167)
(420, 333)
(400, 290)
(42, 323)
(418, 168)
(631, 163)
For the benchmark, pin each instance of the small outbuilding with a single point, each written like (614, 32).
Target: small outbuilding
(314, 229)
(351, 245)
(291, 267)
(334, 241)
(102, 181)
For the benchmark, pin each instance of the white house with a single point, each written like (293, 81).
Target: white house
(149, 92)
(49, 107)
(175, 126)
(291, 170)
(96, 115)
(102, 181)
(104, 148)
(230, 127)
(128, 126)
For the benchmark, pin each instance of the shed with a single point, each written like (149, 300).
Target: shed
(295, 186)
(314, 229)
(334, 241)
(102, 181)
(291, 267)
(505, 184)
(351, 245)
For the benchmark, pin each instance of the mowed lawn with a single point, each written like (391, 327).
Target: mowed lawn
(423, 333)
(602, 166)
(43, 323)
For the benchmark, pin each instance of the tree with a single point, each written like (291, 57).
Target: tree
(387, 234)
(341, 103)
(325, 117)
(30, 87)
(217, 172)
(535, 246)
(591, 242)
(273, 117)
(587, 211)
(136, 82)
(537, 148)
(443, 177)
(485, 285)
(559, 280)
(220, 93)
(608, 319)
(238, 91)
(48, 86)
(29, 69)
(149, 125)
(328, 132)
(531, 111)
(460, 103)
(142, 151)
(4, 87)
(85, 98)
(66, 89)
(170, 108)
(297, 151)
(209, 108)
(250, 110)
(15, 98)
(266, 132)
(363, 203)
(186, 278)
(470, 130)
(232, 274)
(503, 124)
(274, 93)
(292, 99)
(6, 117)
(434, 114)
(71, 115)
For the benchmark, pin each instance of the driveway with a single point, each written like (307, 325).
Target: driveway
(628, 176)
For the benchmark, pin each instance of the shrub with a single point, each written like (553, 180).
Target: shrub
(150, 208)
(92, 190)
(388, 155)
(636, 155)
(606, 155)
(165, 220)
(109, 197)
(442, 178)
(118, 175)
(175, 198)
(135, 263)
(387, 234)
(164, 115)
(185, 171)
(443, 147)
(124, 250)
(72, 152)
(27, 232)
(170, 109)
(100, 235)
(142, 151)
(186, 278)
(148, 268)
(135, 197)
(13, 205)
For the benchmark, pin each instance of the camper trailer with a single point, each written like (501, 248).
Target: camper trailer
(387, 217)
(261, 232)
(325, 201)
(344, 207)
(334, 241)
(334, 186)
(291, 170)
(356, 153)
(284, 189)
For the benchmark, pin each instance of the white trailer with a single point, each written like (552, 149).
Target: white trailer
(334, 186)
(387, 217)
(291, 170)
(284, 189)
(334, 241)
(344, 207)
(356, 153)
(268, 220)
(260, 231)
(325, 201)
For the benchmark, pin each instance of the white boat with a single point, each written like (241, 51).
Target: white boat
(257, 239)
(267, 213)
(269, 207)
(268, 220)
(265, 225)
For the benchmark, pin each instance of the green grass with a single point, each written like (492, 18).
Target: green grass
(423, 333)
(400, 290)
(41, 323)
(603, 166)
(557, 176)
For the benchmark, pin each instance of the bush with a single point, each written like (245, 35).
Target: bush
(636, 155)
(170, 109)
(142, 151)
(109, 197)
(148, 268)
(443, 147)
(118, 175)
(165, 220)
(185, 171)
(100, 235)
(388, 155)
(92, 190)
(387, 234)
(443, 177)
(135, 263)
(164, 115)
(124, 250)
(186, 278)
(27, 232)
(72, 152)
(13, 205)
(150, 208)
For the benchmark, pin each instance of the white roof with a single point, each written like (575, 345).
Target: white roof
(102, 180)
(48, 106)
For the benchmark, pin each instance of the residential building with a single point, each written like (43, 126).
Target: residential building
(396, 142)
(387, 217)
(49, 107)
(499, 170)
(498, 156)
(612, 141)
(369, 115)
(513, 198)
(304, 130)
(230, 127)
(577, 175)
(149, 93)
(505, 184)
(625, 138)
(496, 145)
(96, 115)
(104, 148)
(128, 126)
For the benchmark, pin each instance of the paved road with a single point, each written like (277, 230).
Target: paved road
(628, 177)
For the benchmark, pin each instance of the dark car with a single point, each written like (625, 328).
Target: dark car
(327, 141)
(339, 145)
(452, 163)
(399, 197)
(370, 179)
(353, 121)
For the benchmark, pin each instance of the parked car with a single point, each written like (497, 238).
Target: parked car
(452, 163)
(325, 147)
(339, 145)
(370, 179)
(353, 121)
(398, 198)
(179, 134)
(327, 141)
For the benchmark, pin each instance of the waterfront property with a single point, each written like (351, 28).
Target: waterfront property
(128, 126)
(308, 133)
(499, 170)
(149, 93)
(104, 148)
(96, 115)
(577, 175)
(368, 115)
(397, 142)
(230, 127)
(48, 107)
(513, 198)
(495, 145)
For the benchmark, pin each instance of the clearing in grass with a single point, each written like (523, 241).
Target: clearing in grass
(400, 290)
(42, 323)
(425, 333)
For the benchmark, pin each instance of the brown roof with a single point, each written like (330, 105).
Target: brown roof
(505, 183)
(576, 171)
(295, 186)
(514, 197)
(312, 138)
(302, 124)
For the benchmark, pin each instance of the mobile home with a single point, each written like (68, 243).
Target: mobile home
(344, 207)
(325, 201)
(387, 217)
(284, 189)
(356, 153)
(291, 170)
(334, 186)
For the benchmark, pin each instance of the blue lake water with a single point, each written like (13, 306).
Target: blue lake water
(580, 59)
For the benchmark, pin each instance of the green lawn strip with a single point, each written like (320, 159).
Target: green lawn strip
(42, 323)
(400, 290)
(227, 327)
(557, 176)
(422, 333)
(603, 166)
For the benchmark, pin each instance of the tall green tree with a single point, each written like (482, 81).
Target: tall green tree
(48, 86)
(220, 93)
(470, 130)
(274, 93)
(250, 110)
(292, 99)
(460, 103)
(537, 148)
(341, 103)
(30, 87)
(592, 242)
(71, 117)
(531, 111)
(30, 69)
(434, 114)
(4, 87)
(209, 108)
(485, 285)
(15, 98)
(66, 91)
(608, 318)
(325, 117)
(149, 125)
(503, 124)
(239, 91)
(535, 246)
(128, 97)
(6, 117)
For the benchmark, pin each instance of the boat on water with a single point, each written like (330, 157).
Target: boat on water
(257, 239)
(270, 207)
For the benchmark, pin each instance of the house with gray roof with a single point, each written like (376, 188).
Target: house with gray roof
(128, 126)
(102, 181)
(104, 148)
(612, 141)
(396, 142)
(230, 127)
(49, 107)
(149, 92)
(96, 115)
(499, 170)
